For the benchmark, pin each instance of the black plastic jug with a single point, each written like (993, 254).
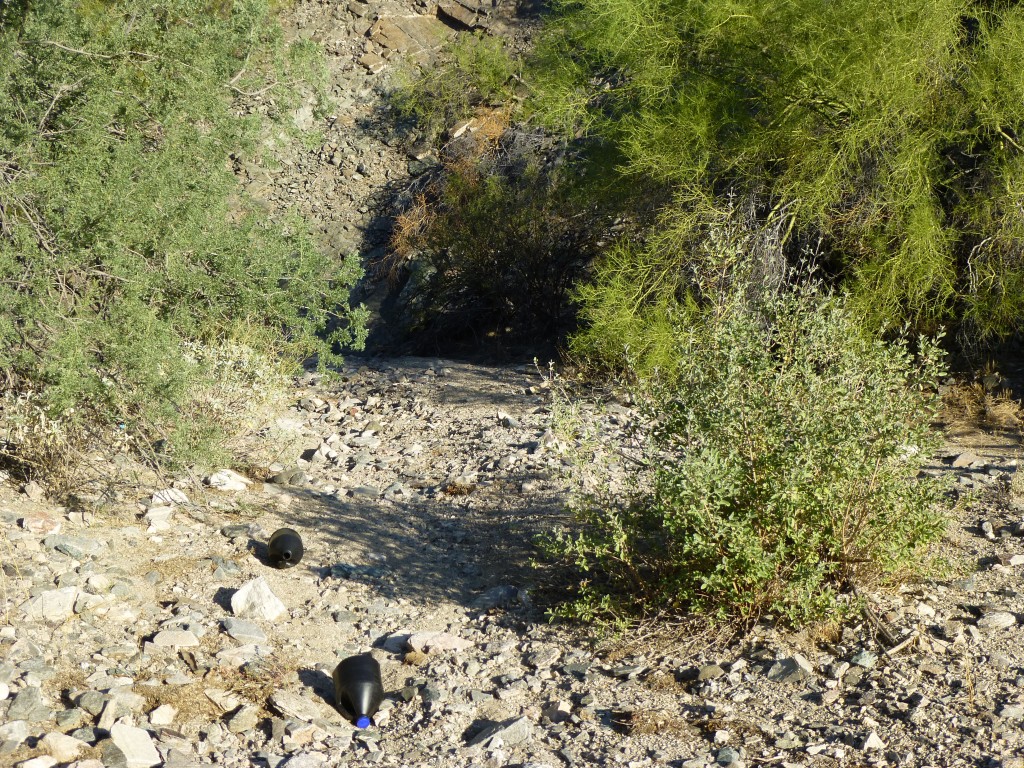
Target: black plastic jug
(284, 548)
(357, 688)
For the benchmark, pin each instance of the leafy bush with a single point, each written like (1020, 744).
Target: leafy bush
(498, 243)
(885, 134)
(780, 453)
(472, 71)
(124, 238)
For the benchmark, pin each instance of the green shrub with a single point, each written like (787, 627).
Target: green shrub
(781, 452)
(471, 71)
(885, 134)
(498, 249)
(124, 237)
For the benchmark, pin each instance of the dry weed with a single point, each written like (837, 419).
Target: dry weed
(656, 722)
(973, 406)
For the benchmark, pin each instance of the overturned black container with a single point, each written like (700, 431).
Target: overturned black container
(358, 690)
(284, 548)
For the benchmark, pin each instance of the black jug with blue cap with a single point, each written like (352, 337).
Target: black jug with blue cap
(358, 690)
(284, 548)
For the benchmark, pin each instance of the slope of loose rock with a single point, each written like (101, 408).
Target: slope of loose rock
(416, 495)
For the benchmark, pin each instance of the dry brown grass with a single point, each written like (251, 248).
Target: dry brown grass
(409, 227)
(971, 406)
(664, 635)
(652, 722)
(490, 124)
(192, 702)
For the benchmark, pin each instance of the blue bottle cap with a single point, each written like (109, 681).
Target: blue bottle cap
(363, 722)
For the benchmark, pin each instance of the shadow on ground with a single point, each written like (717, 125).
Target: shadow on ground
(432, 549)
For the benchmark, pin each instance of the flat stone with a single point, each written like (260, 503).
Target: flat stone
(255, 600)
(63, 748)
(169, 496)
(437, 642)
(506, 734)
(163, 715)
(997, 620)
(455, 11)
(965, 459)
(795, 669)
(1011, 712)
(136, 745)
(244, 631)
(372, 62)
(239, 655)
(710, 672)
(544, 658)
(28, 705)
(245, 719)
(865, 659)
(227, 480)
(397, 642)
(293, 705)
(33, 490)
(175, 638)
(43, 761)
(78, 547)
(41, 523)
(364, 492)
(54, 605)
(307, 760)
(14, 730)
(159, 518)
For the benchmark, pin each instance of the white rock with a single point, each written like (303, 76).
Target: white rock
(53, 605)
(63, 748)
(223, 699)
(175, 638)
(33, 490)
(169, 496)
(15, 730)
(437, 642)
(163, 715)
(238, 655)
(44, 761)
(227, 480)
(872, 742)
(5, 691)
(99, 583)
(292, 705)
(997, 620)
(41, 523)
(136, 745)
(86, 602)
(159, 518)
(255, 600)
(307, 760)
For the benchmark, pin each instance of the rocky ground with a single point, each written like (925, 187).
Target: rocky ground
(151, 630)
(148, 628)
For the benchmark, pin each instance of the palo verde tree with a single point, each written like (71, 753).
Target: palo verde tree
(884, 136)
(124, 237)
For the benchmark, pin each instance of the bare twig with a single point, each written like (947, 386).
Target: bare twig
(253, 94)
(55, 44)
(61, 90)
